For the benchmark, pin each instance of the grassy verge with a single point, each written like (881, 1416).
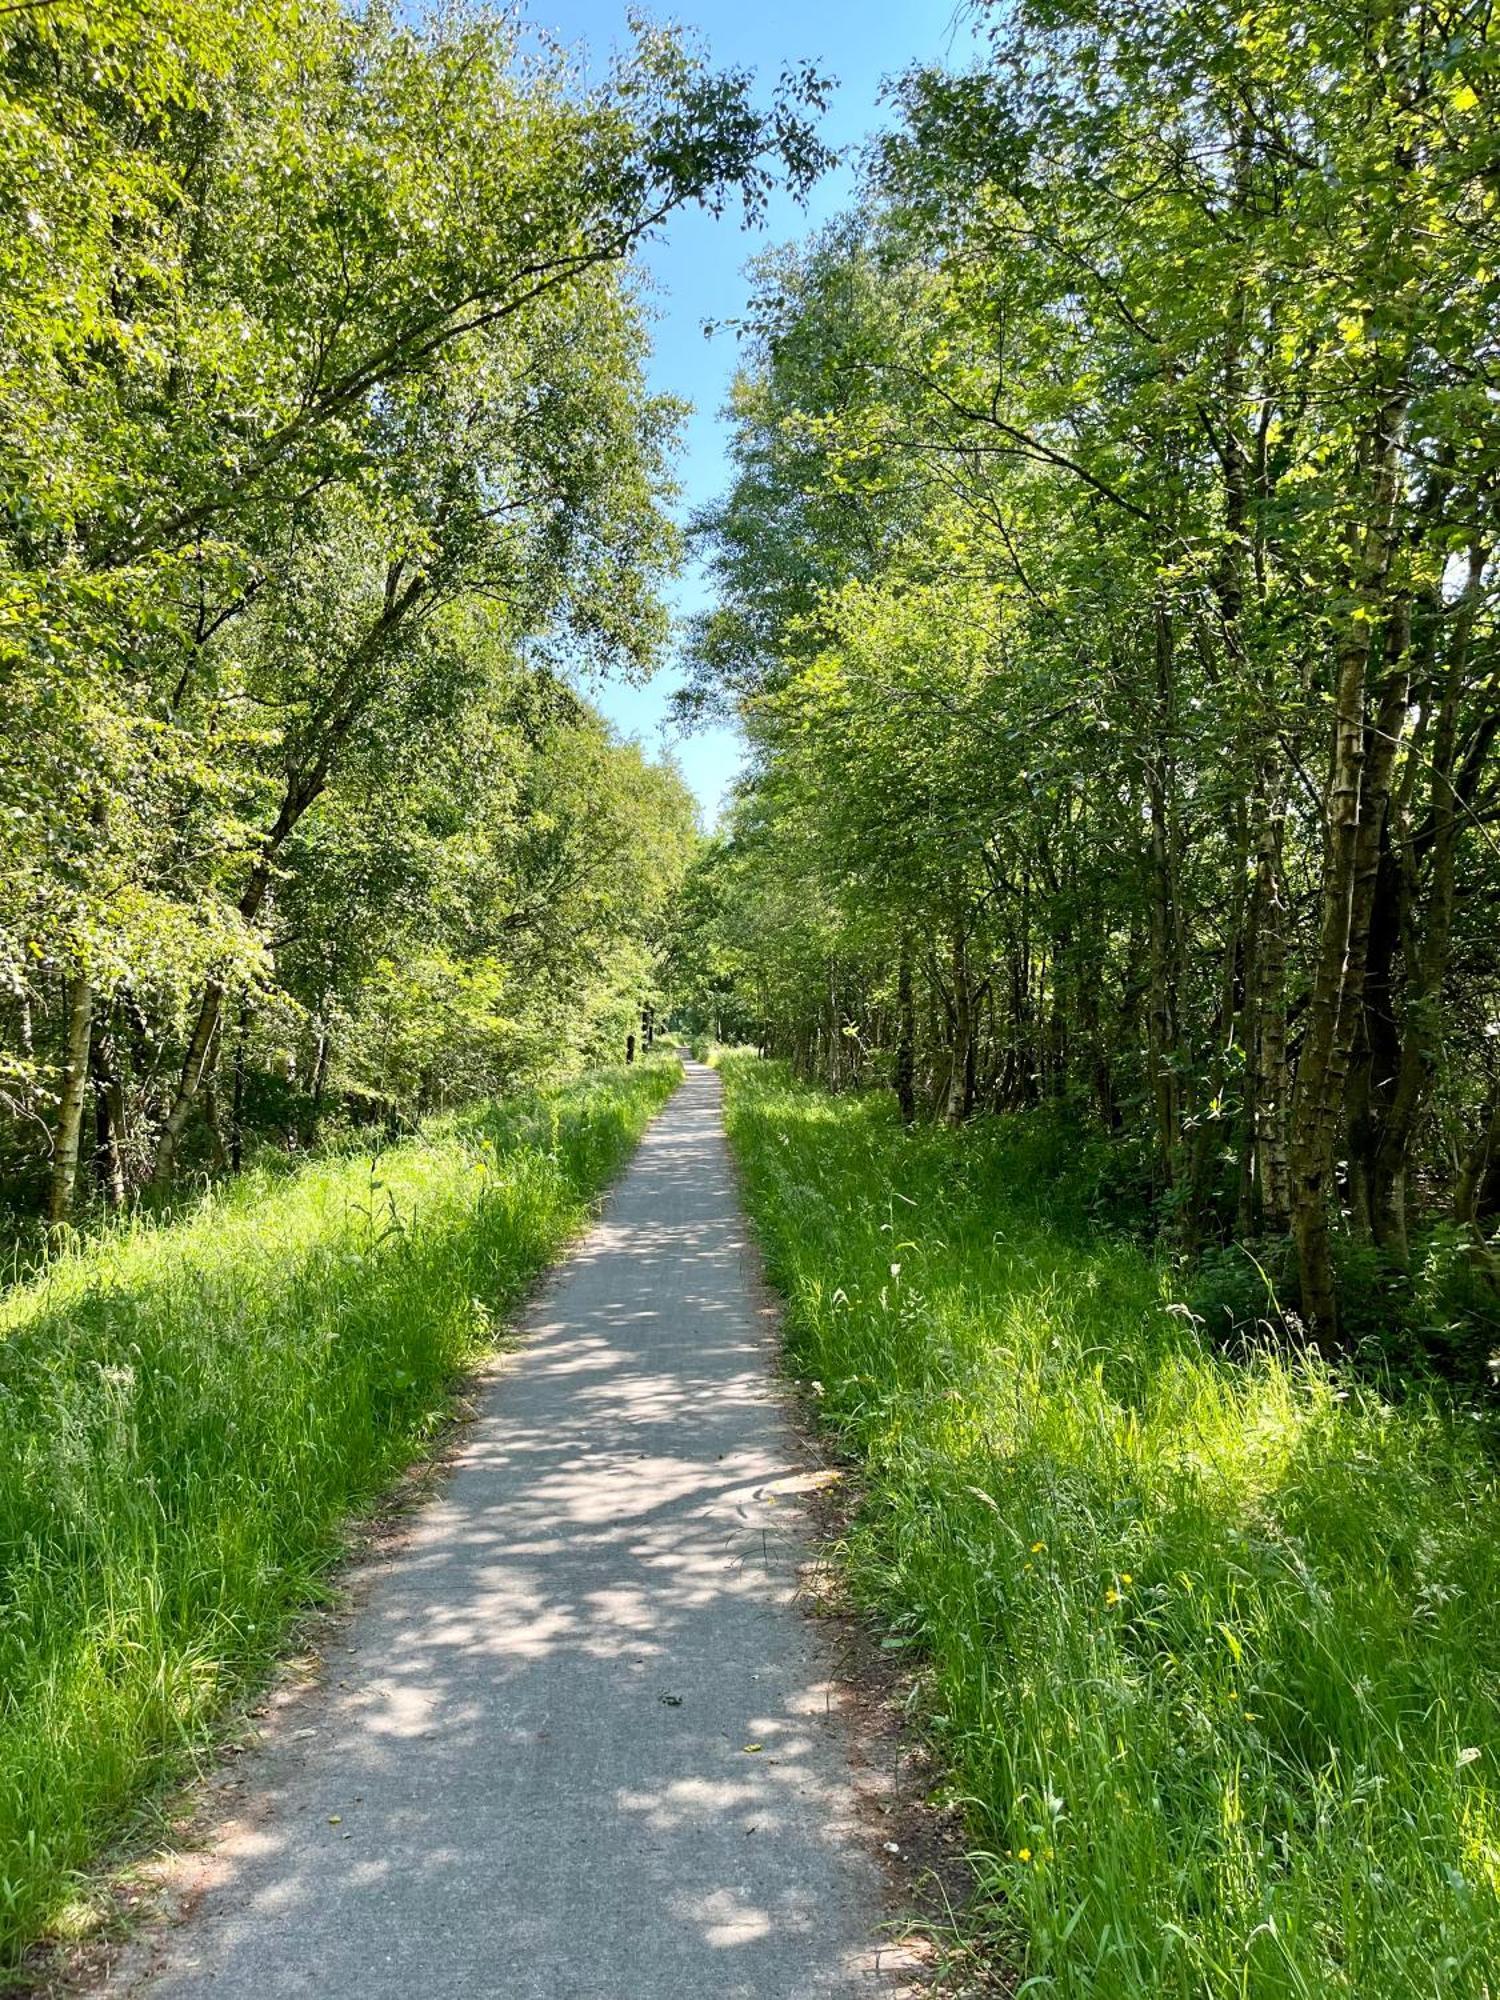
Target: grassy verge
(189, 1410)
(1211, 1647)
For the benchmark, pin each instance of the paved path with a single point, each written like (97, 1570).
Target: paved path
(529, 1779)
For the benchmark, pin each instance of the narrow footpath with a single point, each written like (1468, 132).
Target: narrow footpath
(576, 1743)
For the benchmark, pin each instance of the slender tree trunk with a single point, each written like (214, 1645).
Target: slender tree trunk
(109, 1115)
(1247, 1212)
(300, 794)
(189, 1083)
(1162, 1035)
(906, 1036)
(1273, 1092)
(832, 1028)
(237, 1093)
(218, 1152)
(1372, 868)
(319, 1077)
(1027, 1052)
(1352, 812)
(1416, 1047)
(961, 1067)
(1377, 1054)
(75, 1080)
(1196, 1217)
(1260, 959)
(1326, 1044)
(1476, 1197)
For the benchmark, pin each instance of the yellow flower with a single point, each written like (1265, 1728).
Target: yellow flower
(1111, 1596)
(1126, 1577)
(1023, 1854)
(1037, 1547)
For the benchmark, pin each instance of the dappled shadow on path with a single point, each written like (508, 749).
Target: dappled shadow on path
(578, 1742)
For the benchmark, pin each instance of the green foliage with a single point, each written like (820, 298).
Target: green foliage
(1207, 1645)
(190, 1409)
(531, 881)
(1437, 1321)
(328, 474)
(1108, 584)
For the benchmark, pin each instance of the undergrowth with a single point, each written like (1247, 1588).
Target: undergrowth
(1209, 1645)
(190, 1409)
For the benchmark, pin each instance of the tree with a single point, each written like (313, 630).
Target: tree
(1162, 453)
(316, 331)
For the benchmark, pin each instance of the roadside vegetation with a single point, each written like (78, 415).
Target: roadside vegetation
(1207, 1642)
(190, 1410)
(330, 483)
(1107, 582)
(1106, 588)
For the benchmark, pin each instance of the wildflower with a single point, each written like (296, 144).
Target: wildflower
(1023, 1854)
(1037, 1547)
(1126, 1577)
(1111, 1596)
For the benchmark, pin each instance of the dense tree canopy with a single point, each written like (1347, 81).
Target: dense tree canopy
(1108, 581)
(327, 467)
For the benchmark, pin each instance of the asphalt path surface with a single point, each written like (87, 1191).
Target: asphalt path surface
(577, 1741)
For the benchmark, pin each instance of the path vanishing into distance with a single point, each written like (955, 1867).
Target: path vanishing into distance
(529, 1776)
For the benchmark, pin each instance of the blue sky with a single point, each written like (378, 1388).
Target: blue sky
(697, 267)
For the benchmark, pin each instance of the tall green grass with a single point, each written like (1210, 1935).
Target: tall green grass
(1211, 1647)
(188, 1410)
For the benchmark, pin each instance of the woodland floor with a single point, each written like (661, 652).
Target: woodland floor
(577, 1739)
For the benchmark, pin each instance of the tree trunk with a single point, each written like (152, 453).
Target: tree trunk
(189, 1082)
(831, 1028)
(1353, 810)
(1326, 1046)
(1162, 1037)
(1416, 1043)
(348, 700)
(961, 1070)
(1370, 947)
(218, 1153)
(1273, 1077)
(75, 1079)
(237, 1094)
(109, 1115)
(319, 1078)
(1477, 1195)
(906, 1036)
(301, 792)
